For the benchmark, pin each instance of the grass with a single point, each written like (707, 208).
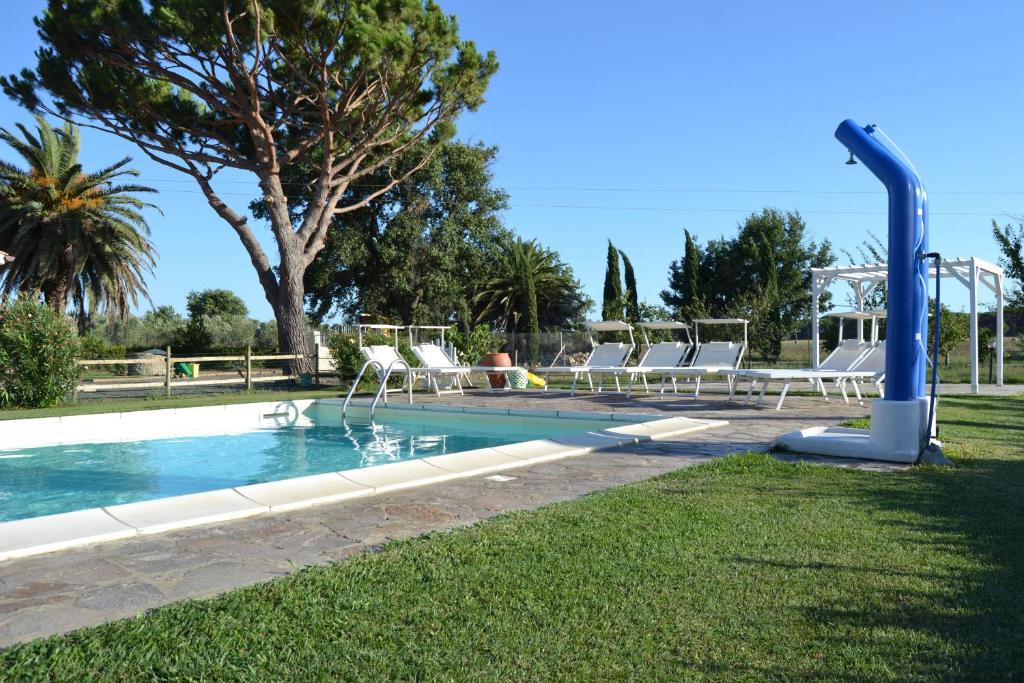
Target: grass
(743, 568)
(155, 402)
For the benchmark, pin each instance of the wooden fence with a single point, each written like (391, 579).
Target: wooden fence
(170, 379)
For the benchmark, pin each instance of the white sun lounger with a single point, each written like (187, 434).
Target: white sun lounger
(713, 358)
(607, 357)
(436, 363)
(862, 361)
(657, 357)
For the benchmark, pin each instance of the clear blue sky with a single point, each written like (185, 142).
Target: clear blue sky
(635, 120)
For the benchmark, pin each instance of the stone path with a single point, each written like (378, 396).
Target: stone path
(71, 589)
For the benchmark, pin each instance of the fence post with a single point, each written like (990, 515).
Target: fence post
(316, 363)
(167, 374)
(248, 367)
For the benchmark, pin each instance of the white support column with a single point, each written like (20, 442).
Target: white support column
(815, 345)
(858, 291)
(973, 286)
(999, 329)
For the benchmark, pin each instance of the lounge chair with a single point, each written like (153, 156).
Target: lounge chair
(608, 357)
(436, 363)
(852, 361)
(713, 358)
(659, 359)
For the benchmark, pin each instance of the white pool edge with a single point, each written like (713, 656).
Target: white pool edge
(51, 533)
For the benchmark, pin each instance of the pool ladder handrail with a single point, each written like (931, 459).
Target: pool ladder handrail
(382, 390)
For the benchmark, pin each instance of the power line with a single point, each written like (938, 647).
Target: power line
(665, 190)
(684, 209)
(746, 211)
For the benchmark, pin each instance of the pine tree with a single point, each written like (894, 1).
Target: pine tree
(611, 308)
(632, 300)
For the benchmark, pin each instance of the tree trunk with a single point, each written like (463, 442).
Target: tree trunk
(290, 311)
(56, 296)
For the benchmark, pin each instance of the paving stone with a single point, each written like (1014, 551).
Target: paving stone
(119, 597)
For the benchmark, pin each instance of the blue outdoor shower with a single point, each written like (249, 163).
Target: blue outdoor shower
(901, 423)
(907, 325)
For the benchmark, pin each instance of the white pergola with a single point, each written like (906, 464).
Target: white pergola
(970, 272)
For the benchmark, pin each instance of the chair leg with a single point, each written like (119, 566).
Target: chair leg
(856, 390)
(782, 395)
(760, 396)
(821, 387)
(696, 388)
(842, 390)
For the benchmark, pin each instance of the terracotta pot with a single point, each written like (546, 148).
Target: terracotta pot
(496, 360)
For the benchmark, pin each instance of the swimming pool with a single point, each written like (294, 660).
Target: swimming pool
(62, 478)
(78, 480)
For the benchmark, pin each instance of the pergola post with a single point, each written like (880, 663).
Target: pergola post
(815, 346)
(999, 330)
(858, 291)
(972, 285)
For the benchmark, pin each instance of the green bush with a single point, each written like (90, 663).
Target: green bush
(38, 350)
(480, 340)
(95, 348)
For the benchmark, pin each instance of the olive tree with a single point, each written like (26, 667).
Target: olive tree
(260, 86)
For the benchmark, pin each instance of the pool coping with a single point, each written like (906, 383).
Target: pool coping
(50, 533)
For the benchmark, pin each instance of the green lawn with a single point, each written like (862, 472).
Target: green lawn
(743, 568)
(179, 401)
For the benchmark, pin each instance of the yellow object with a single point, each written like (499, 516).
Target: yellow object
(535, 381)
(195, 369)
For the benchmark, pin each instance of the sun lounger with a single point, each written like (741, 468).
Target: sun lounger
(607, 357)
(435, 364)
(713, 358)
(657, 357)
(862, 360)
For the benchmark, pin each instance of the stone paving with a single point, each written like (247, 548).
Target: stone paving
(71, 589)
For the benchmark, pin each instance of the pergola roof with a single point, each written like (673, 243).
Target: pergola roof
(875, 273)
(608, 326)
(857, 315)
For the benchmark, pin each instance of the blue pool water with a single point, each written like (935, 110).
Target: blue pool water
(49, 480)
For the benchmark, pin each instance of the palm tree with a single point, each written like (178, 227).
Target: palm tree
(77, 237)
(504, 298)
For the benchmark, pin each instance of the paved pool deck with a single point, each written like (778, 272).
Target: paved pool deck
(71, 589)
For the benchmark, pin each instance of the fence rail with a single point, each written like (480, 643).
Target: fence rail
(174, 375)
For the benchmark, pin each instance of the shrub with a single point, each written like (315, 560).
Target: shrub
(38, 350)
(480, 340)
(94, 348)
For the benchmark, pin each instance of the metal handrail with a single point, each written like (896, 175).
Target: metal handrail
(382, 389)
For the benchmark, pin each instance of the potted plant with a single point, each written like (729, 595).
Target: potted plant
(482, 347)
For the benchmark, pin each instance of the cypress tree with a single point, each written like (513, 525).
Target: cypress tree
(691, 274)
(612, 304)
(632, 300)
(532, 318)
